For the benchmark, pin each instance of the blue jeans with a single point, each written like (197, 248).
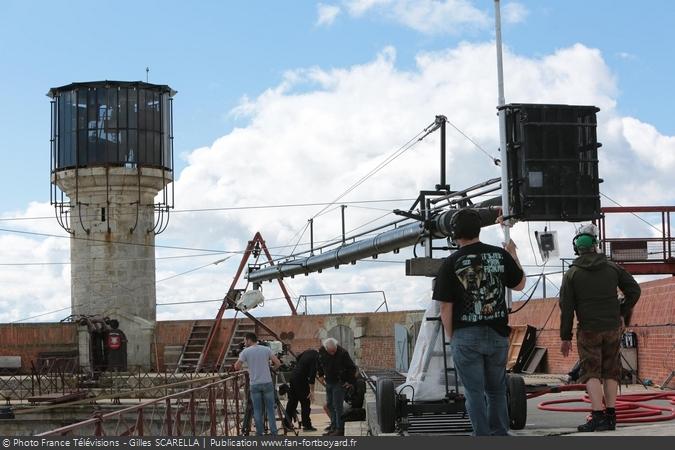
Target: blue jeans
(263, 394)
(335, 397)
(479, 354)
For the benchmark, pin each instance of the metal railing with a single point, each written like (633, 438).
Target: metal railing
(136, 383)
(652, 253)
(302, 299)
(655, 249)
(216, 409)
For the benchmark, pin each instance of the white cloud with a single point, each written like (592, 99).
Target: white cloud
(33, 290)
(636, 161)
(652, 147)
(514, 12)
(326, 14)
(425, 16)
(626, 56)
(318, 131)
(359, 7)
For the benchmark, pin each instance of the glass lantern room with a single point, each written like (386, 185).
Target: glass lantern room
(113, 124)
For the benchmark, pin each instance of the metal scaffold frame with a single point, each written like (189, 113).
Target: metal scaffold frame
(255, 248)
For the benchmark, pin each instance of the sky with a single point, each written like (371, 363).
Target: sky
(292, 102)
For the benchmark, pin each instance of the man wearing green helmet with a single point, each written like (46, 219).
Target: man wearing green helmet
(589, 290)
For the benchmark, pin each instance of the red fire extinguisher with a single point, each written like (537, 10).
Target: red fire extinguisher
(114, 341)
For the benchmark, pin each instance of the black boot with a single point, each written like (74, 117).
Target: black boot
(610, 414)
(597, 421)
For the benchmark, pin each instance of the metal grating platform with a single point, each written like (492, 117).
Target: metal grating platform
(439, 424)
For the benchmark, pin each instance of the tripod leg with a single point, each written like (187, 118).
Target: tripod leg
(281, 411)
(633, 371)
(665, 384)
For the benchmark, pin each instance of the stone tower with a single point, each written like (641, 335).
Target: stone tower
(112, 156)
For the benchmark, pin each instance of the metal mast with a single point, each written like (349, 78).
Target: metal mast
(506, 210)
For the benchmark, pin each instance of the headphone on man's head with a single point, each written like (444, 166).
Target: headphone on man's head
(583, 240)
(457, 229)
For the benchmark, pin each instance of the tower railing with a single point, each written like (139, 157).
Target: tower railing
(652, 253)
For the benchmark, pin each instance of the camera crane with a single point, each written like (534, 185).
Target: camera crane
(549, 172)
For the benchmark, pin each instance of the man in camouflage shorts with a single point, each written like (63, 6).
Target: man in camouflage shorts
(589, 290)
(599, 352)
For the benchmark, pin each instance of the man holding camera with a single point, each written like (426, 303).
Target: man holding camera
(258, 358)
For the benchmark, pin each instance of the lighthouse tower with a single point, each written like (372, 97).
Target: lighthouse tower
(112, 157)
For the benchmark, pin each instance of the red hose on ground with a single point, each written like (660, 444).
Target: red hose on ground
(630, 408)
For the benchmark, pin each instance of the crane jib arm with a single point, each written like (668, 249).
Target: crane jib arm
(387, 241)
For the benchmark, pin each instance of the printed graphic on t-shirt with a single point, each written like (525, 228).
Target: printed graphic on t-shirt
(481, 276)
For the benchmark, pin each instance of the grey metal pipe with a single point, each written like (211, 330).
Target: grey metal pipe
(384, 242)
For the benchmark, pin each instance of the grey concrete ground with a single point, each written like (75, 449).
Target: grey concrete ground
(543, 423)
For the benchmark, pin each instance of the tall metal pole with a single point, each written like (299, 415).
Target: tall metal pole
(311, 237)
(443, 154)
(440, 120)
(342, 208)
(506, 207)
(544, 294)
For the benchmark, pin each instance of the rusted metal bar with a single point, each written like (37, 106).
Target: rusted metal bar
(226, 425)
(636, 209)
(139, 423)
(670, 240)
(663, 234)
(227, 343)
(191, 409)
(236, 404)
(169, 431)
(215, 328)
(212, 412)
(179, 420)
(129, 431)
(287, 296)
(98, 428)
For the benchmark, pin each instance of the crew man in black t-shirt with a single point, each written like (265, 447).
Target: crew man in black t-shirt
(302, 387)
(471, 286)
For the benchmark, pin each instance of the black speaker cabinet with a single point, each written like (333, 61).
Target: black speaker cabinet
(553, 162)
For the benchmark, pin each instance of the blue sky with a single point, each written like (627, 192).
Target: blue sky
(289, 102)
(215, 52)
